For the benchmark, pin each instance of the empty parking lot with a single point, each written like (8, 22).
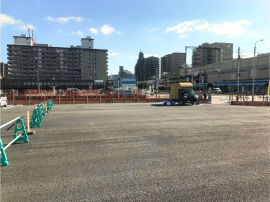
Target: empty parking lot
(140, 152)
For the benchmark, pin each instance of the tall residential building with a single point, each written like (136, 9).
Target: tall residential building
(172, 62)
(146, 68)
(60, 66)
(212, 53)
(4, 70)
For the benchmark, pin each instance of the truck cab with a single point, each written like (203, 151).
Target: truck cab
(182, 93)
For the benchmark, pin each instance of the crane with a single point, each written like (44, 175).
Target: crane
(33, 39)
(28, 29)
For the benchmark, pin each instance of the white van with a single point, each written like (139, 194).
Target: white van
(3, 100)
(217, 90)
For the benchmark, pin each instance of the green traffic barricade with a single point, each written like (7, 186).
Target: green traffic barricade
(40, 112)
(16, 138)
(35, 120)
(49, 106)
(43, 110)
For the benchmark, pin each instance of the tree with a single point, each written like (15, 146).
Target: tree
(210, 85)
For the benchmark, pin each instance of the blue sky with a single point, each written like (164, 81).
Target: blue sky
(124, 27)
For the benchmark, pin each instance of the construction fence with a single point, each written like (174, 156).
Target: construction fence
(31, 97)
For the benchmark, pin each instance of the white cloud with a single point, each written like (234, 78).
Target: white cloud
(182, 36)
(183, 27)
(119, 32)
(79, 33)
(229, 29)
(114, 54)
(250, 35)
(201, 27)
(64, 19)
(146, 56)
(151, 30)
(8, 20)
(106, 29)
(23, 27)
(93, 31)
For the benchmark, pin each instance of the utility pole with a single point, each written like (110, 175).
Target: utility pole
(254, 73)
(238, 67)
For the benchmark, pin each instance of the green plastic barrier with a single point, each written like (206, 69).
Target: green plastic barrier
(16, 138)
(48, 105)
(3, 153)
(24, 137)
(40, 113)
(43, 110)
(35, 121)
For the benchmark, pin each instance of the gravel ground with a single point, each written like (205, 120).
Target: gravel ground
(140, 152)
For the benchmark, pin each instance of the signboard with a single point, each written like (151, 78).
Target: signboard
(126, 87)
(99, 81)
(253, 73)
(135, 88)
(232, 77)
(164, 73)
(187, 79)
(195, 73)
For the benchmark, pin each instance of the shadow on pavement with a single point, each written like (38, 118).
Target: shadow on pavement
(162, 105)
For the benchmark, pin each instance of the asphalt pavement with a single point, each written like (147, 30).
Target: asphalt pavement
(140, 152)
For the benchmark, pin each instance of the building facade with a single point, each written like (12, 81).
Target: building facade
(4, 70)
(32, 65)
(128, 83)
(172, 62)
(146, 68)
(226, 73)
(212, 53)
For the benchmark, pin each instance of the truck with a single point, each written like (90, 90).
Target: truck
(182, 93)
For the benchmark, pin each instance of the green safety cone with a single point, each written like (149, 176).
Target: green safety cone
(24, 137)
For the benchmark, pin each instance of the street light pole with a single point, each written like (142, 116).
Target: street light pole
(253, 74)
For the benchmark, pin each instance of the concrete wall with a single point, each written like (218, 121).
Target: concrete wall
(102, 64)
(87, 43)
(214, 78)
(88, 65)
(27, 41)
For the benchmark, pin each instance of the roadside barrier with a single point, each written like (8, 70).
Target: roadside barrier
(35, 121)
(16, 138)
